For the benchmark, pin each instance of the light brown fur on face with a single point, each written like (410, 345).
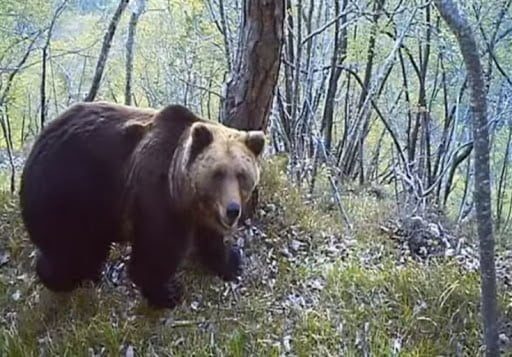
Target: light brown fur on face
(225, 172)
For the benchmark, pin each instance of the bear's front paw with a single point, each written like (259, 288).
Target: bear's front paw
(233, 265)
(164, 296)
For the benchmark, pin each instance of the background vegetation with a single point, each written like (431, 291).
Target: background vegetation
(369, 133)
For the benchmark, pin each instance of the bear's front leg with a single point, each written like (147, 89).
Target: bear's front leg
(153, 265)
(156, 280)
(221, 259)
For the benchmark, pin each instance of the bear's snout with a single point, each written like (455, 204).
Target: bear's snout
(233, 211)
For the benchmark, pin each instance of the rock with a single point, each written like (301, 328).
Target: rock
(504, 339)
(5, 257)
(129, 351)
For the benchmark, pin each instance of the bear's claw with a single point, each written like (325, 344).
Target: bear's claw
(233, 266)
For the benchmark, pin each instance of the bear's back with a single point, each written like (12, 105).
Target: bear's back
(75, 168)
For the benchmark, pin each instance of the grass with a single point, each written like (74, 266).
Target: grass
(309, 289)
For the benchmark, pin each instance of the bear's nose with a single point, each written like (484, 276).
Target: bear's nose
(232, 211)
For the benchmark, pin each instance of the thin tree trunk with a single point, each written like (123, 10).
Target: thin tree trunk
(44, 60)
(223, 28)
(461, 28)
(307, 104)
(425, 115)
(358, 145)
(289, 55)
(22, 131)
(467, 184)
(43, 83)
(105, 49)
(7, 134)
(465, 151)
(298, 63)
(339, 54)
(225, 32)
(357, 131)
(502, 182)
(130, 42)
(5, 124)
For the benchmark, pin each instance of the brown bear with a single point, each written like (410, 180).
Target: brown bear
(166, 181)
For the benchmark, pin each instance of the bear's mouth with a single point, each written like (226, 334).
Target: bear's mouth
(222, 222)
(225, 225)
(217, 220)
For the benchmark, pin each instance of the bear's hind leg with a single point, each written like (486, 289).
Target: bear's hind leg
(223, 260)
(65, 269)
(55, 273)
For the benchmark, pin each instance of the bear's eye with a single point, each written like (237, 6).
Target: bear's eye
(242, 178)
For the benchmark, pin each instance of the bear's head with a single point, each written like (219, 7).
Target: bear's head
(219, 171)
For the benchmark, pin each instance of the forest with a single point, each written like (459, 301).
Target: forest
(382, 223)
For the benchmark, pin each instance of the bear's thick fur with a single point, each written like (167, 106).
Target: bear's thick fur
(166, 181)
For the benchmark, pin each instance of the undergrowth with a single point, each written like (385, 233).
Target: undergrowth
(310, 288)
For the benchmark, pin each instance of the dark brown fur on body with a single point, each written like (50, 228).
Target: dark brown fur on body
(100, 165)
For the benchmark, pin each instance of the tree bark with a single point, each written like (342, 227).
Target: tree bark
(461, 28)
(105, 49)
(250, 90)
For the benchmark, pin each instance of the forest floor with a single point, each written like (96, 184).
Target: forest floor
(309, 288)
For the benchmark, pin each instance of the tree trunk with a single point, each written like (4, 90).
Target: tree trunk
(42, 89)
(459, 25)
(250, 90)
(339, 54)
(222, 25)
(225, 33)
(286, 99)
(130, 42)
(502, 182)
(105, 49)
(44, 60)
(353, 149)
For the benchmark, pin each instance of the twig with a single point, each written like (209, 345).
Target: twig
(186, 323)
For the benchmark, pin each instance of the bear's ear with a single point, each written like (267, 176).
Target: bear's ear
(255, 141)
(201, 137)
